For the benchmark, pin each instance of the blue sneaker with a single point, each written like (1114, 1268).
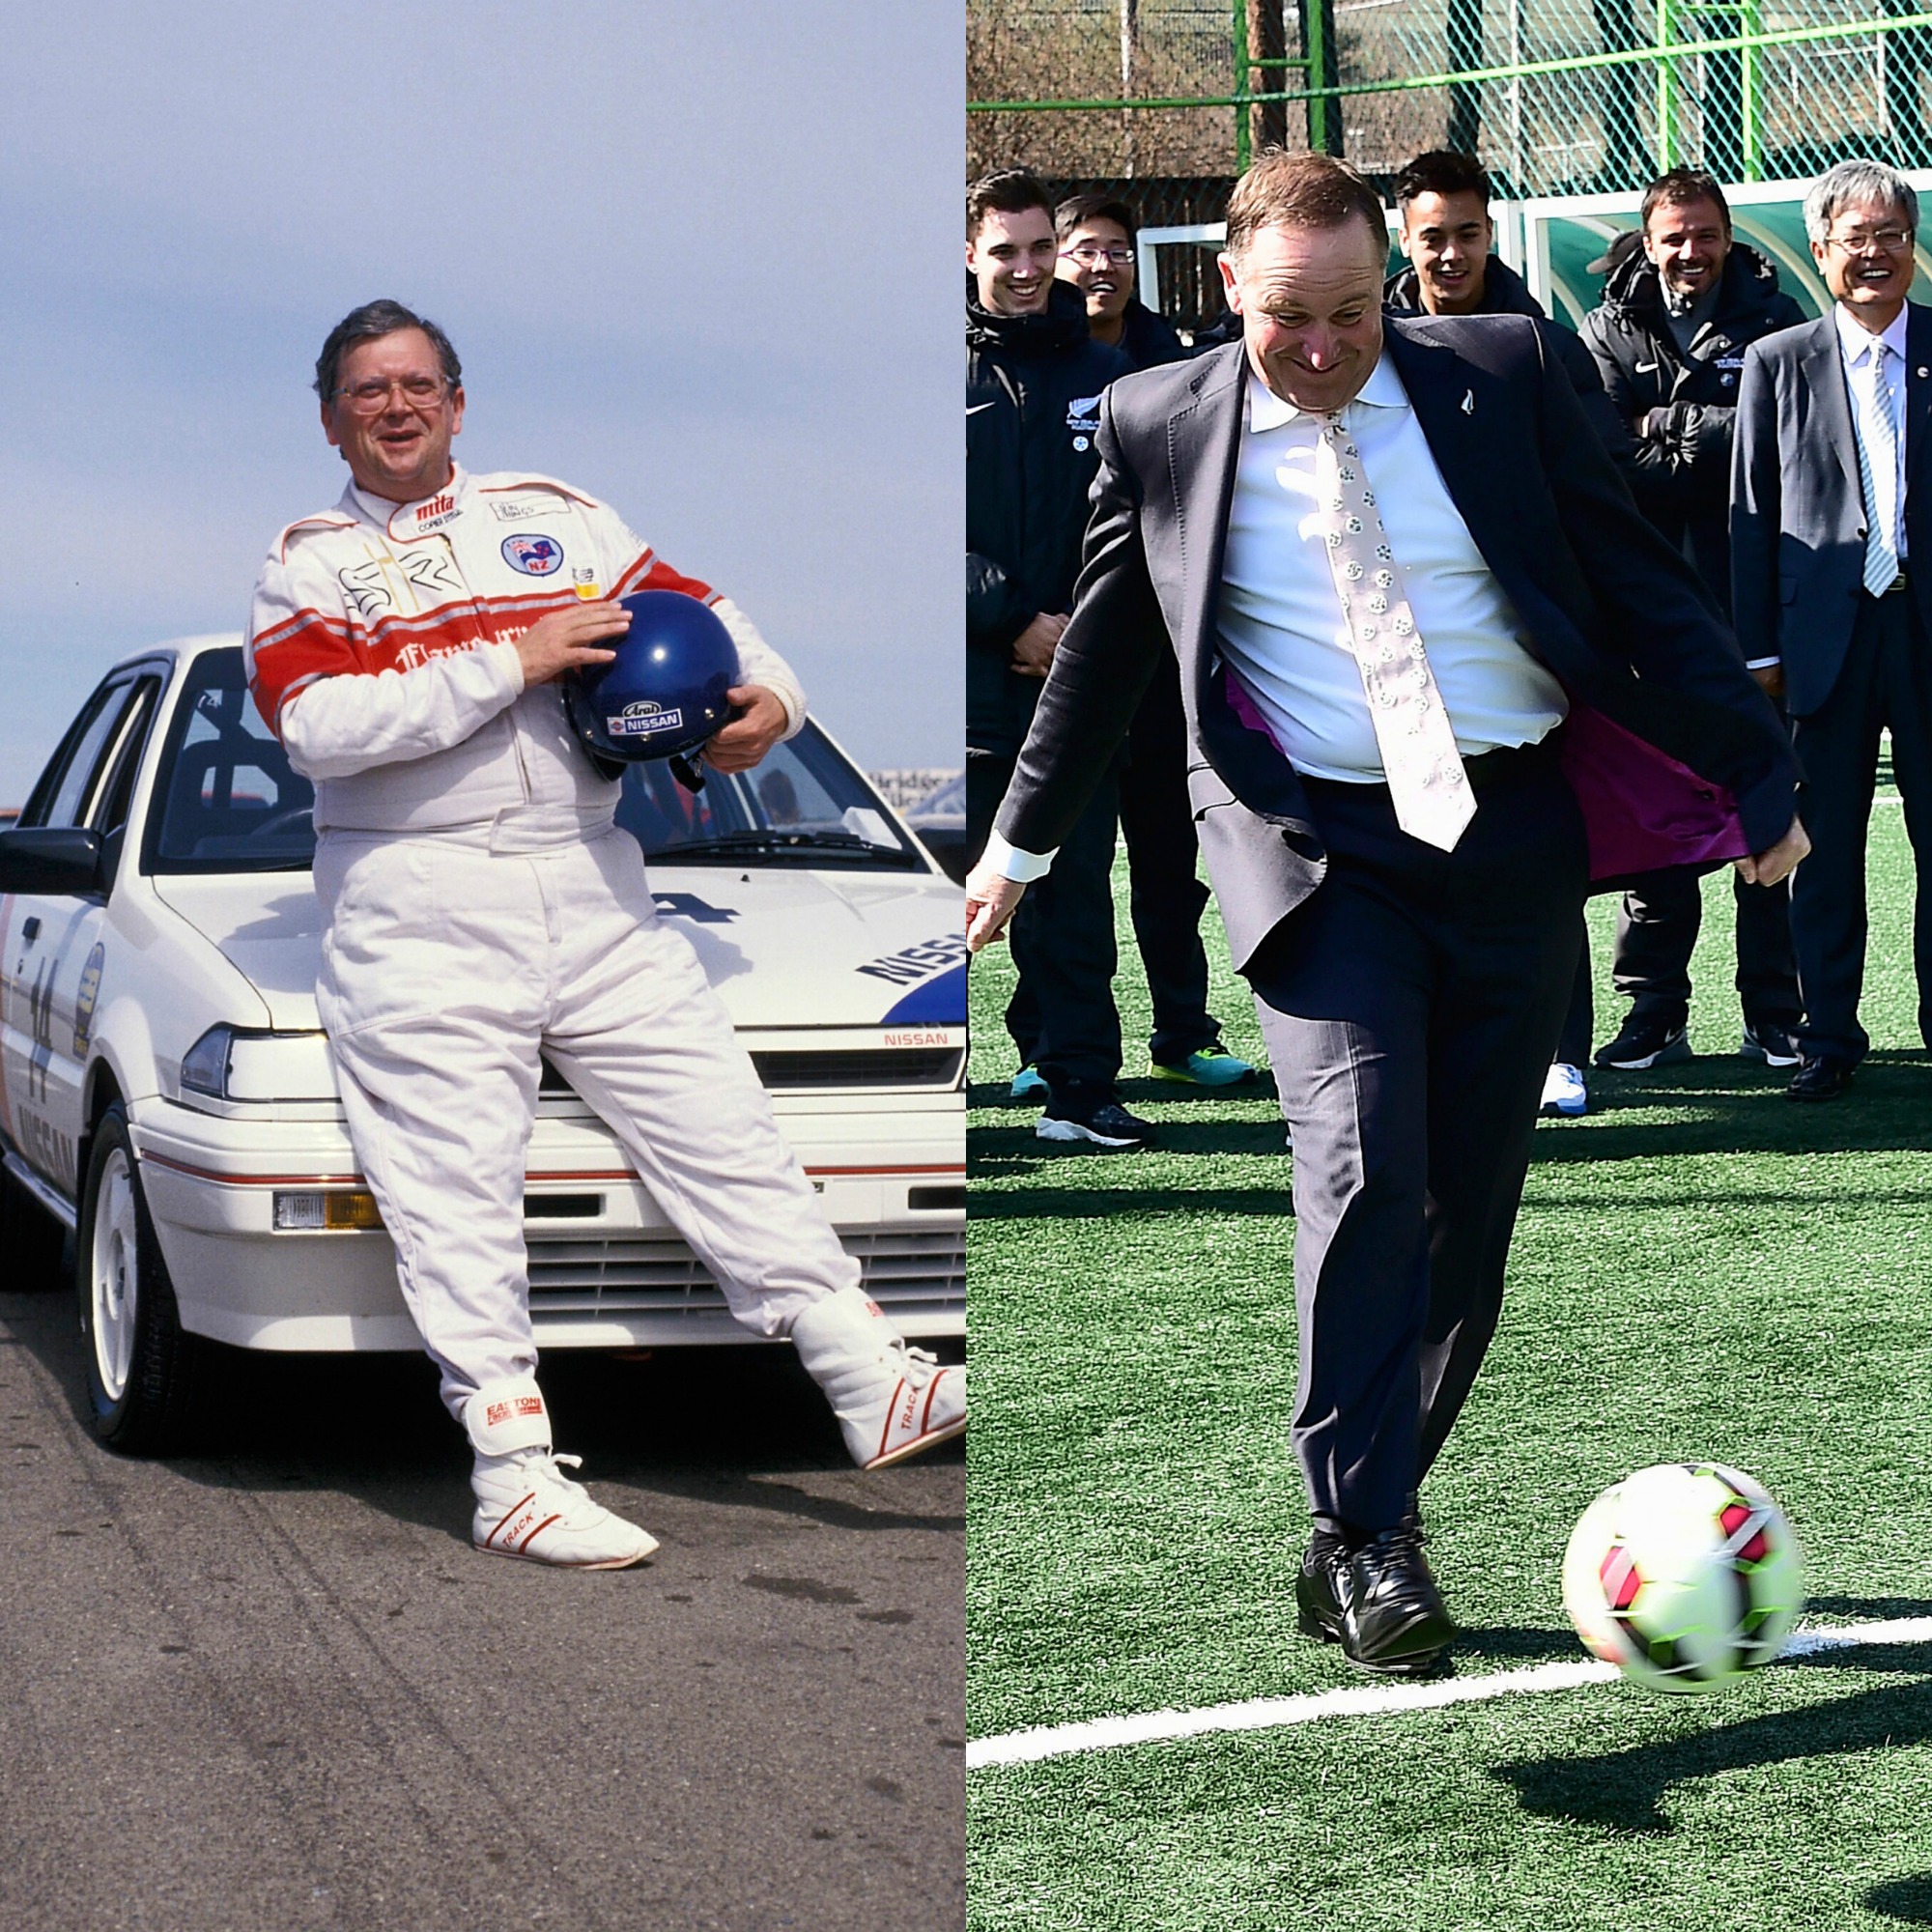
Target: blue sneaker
(1212, 1066)
(1028, 1085)
(1564, 1092)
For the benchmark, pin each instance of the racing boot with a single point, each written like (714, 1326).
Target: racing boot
(892, 1401)
(526, 1506)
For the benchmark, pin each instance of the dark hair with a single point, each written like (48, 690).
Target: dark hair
(1443, 171)
(1077, 211)
(1680, 186)
(1004, 191)
(1286, 190)
(366, 325)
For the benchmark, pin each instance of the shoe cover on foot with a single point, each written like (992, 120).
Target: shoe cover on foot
(526, 1505)
(892, 1401)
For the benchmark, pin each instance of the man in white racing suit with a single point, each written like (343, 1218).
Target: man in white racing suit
(482, 904)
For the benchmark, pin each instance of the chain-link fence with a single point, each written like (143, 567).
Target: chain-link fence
(1557, 96)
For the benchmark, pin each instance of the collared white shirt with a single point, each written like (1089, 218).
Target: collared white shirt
(1861, 348)
(1280, 621)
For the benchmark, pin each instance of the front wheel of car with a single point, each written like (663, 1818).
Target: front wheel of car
(143, 1369)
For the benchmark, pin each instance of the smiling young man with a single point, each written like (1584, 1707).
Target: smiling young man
(1033, 382)
(1832, 583)
(1097, 257)
(1389, 560)
(482, 906)
(1444, 230)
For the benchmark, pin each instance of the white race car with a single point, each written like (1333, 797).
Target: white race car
(168, 1093)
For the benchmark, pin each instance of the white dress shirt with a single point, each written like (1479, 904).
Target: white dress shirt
(1862, 350)
(1280, 622)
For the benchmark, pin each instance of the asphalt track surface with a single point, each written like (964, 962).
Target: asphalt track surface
(269, 1685)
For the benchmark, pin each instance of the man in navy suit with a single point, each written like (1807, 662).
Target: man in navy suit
(1391, 562)
(1831, 579)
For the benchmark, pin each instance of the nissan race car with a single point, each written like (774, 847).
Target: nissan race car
(168, 1093)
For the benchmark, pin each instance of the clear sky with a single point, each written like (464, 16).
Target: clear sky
(698, 259)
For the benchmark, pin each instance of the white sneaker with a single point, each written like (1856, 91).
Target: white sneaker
(526, 1506)
(892, 1401)
(1564, 1092)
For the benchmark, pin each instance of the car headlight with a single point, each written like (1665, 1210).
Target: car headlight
(232, 1063)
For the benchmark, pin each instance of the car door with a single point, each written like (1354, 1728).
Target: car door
(52, 948)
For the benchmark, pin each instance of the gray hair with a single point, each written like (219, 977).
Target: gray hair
(1851, 184)
(372, 321)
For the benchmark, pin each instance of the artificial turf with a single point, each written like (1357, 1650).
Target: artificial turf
(1702, 1270)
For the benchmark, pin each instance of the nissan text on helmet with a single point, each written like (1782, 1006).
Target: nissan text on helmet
(666, 690)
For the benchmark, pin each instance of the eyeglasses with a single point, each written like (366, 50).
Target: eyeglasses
(1091, 258)
(1893, 240)
(371, 396)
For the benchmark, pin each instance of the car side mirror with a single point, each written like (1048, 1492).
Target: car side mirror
(60, 862)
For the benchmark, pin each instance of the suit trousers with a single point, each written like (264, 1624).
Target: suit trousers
(1411, 1007)
(1062, 1016)
(1573, 1046)
(1163, 871)
(1886, 684)
(1657, 932)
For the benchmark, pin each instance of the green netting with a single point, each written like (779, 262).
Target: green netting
(1774, 89)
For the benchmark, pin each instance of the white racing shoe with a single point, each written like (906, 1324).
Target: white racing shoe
(526, 1505)
(892, 1401)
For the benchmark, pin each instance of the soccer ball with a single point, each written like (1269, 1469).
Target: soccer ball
(1683, 1575)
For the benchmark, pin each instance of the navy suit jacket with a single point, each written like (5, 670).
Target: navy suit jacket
(1798, 511)
(1605, 604)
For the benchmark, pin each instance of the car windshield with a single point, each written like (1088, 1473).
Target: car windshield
(226, 800)
(803, 805)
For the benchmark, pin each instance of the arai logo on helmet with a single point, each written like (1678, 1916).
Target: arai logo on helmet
(641, 718)
(534, 556)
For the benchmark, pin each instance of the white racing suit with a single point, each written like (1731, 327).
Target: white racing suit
(482, 904)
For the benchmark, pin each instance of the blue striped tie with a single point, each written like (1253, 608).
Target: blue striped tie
(1881, 510)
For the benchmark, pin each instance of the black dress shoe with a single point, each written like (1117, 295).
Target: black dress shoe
(1824, 1077)
(1379, 1602)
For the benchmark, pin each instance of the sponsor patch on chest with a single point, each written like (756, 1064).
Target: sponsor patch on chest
(421, 519)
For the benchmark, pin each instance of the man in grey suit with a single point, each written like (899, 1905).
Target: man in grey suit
(1832, 580)
(1390, 561)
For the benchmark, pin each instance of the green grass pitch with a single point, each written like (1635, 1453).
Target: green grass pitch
(1701, 1271)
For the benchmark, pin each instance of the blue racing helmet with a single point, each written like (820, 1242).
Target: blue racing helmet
(663, 692)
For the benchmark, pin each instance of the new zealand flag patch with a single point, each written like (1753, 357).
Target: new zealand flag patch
(534, 556)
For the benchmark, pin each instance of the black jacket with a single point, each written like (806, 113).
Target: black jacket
(1148, 339)
(1506, 293)
(1032, 404)
(1683, 464)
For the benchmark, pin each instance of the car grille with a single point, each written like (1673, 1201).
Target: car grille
(818, 1069)
(908, 1272)
(886, 1067)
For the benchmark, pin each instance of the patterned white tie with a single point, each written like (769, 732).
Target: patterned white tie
(1417, 744)
(1881, 502)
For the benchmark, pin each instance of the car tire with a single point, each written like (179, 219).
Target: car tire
(144, 1371)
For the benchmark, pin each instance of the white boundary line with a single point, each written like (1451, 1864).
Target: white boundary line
(1368, 1701)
